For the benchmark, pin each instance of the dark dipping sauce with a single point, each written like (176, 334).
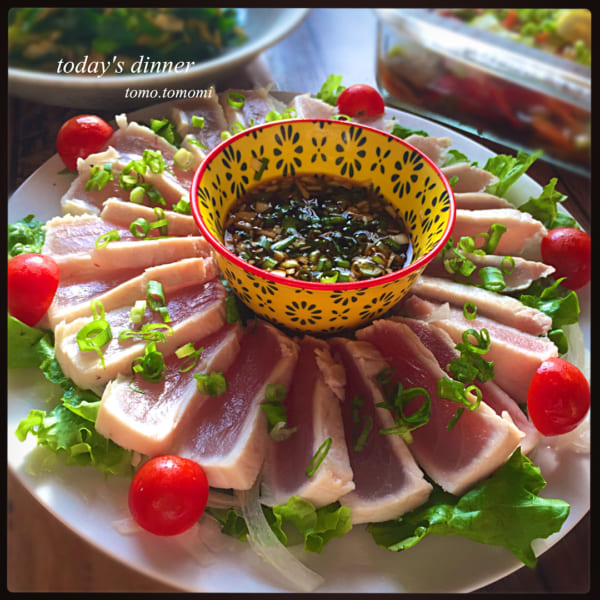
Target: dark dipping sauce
(318, 228)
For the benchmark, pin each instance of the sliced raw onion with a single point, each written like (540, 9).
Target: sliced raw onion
(266, 544)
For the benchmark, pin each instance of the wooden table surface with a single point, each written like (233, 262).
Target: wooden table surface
(46, 556)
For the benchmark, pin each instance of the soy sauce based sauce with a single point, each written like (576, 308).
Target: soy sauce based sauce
(318, 228)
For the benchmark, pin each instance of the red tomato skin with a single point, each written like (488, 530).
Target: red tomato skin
(32, 280)
(569, 251)
(168, 494)
(558, 397)
(359, 100)
(81, 136)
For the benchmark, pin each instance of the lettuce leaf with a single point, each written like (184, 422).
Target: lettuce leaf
(295, 522)
(508, 169)
(331, 89)
(503, 510)
(25, 235)
(544, 208)
(68, 428)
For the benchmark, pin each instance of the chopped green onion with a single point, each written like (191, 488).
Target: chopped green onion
(110, 236)
(468, 397)
(396, 400)
(151, 366)
(183, 207)
(492, 279)
(318, 458)
(275, 411)
(99, 176)
(190, 356)
(139, 228)
(136, 314)
(97, 333)
(495, 233)
(183, 159)
(212, 384)
(150, 332)
(198, 122)
(264, 164)
(137, 194)
(469, 310)
(236, 100)
(155, 295)
(361, 440)
(510, 261)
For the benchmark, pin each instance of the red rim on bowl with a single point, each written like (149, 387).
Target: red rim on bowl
(315, 285)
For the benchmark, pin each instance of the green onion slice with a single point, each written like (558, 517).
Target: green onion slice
(198, 122)
(151, 366)
(469, 310)
(189, 355)
(95, 334)
(140, 228)
(213, 384)
(110, 236)
(318, 458)
(236, 100)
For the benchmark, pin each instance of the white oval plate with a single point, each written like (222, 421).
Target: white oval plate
(88, 504)
(264, 27)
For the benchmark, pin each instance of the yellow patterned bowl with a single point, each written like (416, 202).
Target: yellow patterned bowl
(402, 174)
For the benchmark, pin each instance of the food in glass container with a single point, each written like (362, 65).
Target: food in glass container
(443, 69)
(565, 32)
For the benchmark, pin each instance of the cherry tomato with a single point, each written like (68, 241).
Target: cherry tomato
(168, 494)
(32, 280)
(569, 251)
(558, 398)
(81, 136)
(360, 100)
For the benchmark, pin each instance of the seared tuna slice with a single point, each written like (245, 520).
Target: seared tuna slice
(228, 435)
(467, 178)
(516, 354)
(194, 302)
(210, 113)
(480, 201)
(521, 272)
(388, 481)
(308, 107)
(76, 289)
(522, 237)
(146, 417)
(501, 308)
(433, 147)
(313, 412)
(71, 241)
(476, 445)
(248, 107)
(443, 348)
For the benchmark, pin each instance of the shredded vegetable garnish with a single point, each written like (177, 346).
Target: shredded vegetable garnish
(468, 397)
(318, 458)
(363, 423)
(397, 400)
(151, 366)
(110, 236)
(131, 177)
(96, 334)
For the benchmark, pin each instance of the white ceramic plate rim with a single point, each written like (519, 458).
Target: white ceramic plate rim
(353, 564)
